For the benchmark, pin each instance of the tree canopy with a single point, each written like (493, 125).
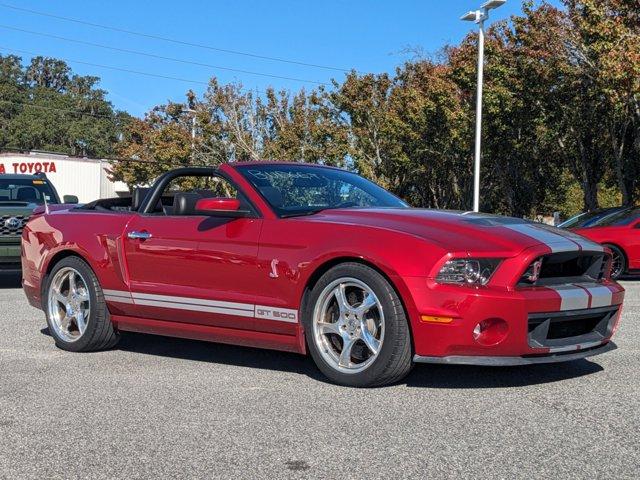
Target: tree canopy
(44, 106)
(561, 124)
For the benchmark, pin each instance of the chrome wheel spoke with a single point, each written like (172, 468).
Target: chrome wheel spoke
(71, 277)
(60, 297)
(345, 355)
(341, 298)
(326, 328)
(65, 322)
(372, 343)
(83, 295)
(80, 322)
(367, 304)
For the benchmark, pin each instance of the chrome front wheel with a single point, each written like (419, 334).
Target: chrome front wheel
(68, 304)
(348, 325)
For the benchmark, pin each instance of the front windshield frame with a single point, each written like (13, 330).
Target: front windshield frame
(382, 197)
(42, 187)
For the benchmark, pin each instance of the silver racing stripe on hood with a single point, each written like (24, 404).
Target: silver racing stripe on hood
(584, 243)
(556, 241)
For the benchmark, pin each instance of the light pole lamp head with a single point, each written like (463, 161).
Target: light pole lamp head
(491, 4)
(471, 16)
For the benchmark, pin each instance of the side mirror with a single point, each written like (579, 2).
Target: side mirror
(220, 207)
(70, 199)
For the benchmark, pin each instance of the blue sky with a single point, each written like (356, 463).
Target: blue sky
(366, 35)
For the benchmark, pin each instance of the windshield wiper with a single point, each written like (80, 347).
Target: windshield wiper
(317, 210)
(305, 213)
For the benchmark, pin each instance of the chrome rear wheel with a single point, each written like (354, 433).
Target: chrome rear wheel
(68, 304)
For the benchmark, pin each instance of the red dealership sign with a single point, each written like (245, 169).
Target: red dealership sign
(28, 168)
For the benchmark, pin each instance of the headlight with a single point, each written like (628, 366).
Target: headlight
(468, 271)
(533, 272)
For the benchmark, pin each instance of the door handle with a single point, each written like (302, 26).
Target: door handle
(139, 235)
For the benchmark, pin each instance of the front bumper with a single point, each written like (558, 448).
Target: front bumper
(10, 256)
(514, 361)
(543, 322)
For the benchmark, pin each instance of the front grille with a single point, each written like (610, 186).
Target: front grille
(568, 267)
(572, 327)
(9, 226)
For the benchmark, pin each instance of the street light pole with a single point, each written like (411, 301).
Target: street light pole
(479, 17)
(476, 167)
(193, 125)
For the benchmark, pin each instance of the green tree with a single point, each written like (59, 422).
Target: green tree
(44, 106)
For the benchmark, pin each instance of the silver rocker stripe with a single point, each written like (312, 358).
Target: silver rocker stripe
(572, 298)
(195, 308)
(111, 298)
(117, 296)
(248, 310)
(555, 241)
(116, 293)
(192, 301)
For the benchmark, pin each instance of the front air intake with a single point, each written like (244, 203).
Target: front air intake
(566, 267)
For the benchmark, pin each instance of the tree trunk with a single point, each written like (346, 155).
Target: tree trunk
(618, 145)
(590, 190)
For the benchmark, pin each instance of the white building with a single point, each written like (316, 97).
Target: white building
(84, 177)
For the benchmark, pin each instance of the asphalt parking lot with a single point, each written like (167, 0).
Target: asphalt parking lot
(158, 407)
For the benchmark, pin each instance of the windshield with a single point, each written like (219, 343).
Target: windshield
(302, 190)
(25, 190)
(588, 218)
(624, 217)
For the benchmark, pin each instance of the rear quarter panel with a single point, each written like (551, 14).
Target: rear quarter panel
(94, 236)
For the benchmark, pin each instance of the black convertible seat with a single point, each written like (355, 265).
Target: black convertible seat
(185, 203)
(138, 196)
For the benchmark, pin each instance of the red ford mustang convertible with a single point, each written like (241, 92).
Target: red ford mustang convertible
(310, 258)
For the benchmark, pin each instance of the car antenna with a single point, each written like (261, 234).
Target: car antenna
(46, 205)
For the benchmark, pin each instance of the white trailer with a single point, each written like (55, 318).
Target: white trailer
(84, 177)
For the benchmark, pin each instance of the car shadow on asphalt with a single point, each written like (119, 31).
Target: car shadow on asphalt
(629, 278)
(10, 279)
(422, 376)
(210, 352)
(468, 376)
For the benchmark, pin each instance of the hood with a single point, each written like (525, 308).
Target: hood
(463, 231)
(56, 207)
(16, 208)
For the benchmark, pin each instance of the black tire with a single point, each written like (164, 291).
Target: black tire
(394, 360)
(100, 333)
(618, 254)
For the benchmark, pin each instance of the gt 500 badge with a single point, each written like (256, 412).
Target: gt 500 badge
(281, 314)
